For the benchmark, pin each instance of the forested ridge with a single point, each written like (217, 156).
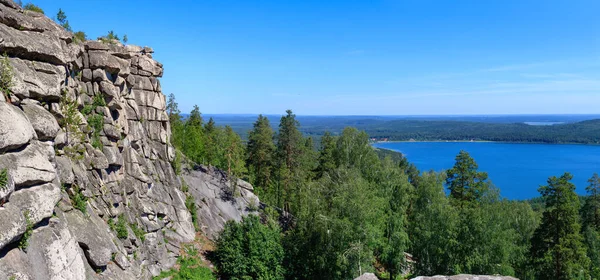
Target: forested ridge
(438, 129)
(346, 208)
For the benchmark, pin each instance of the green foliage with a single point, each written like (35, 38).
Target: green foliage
(87, 109)
(184, 186)
(190, 204)
(190, 268)
(125, 39)
(234, 153)
(6, 75)
(557, 250)
(250, 250)
(110, 38)
(260, 152)
(78, 200)
(395, 185)
(289, 159)
(111, 224)
(96, 123)
(326, 155)
(359, 210)
(177, 162)
(121, 227)
(99, 101)
(79, 37)
(433, 227)
(24, 242)
(70, 122)
(61, 18)
(139, 232)
(3, 179)
(33, 8)
(465, 183)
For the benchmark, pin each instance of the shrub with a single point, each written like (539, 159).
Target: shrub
(140, 233)
(184, 187)
(3, 179)
(71, 118)
(99, 100)
(190, 268)
(34, 8)
(79, 200)
(110, 38)
(176, 163)
(250, 250)
(96, 123)
(121, 227)
(87, 109)
(191, 206)
(79, 37)
(28, 230)
(6, 75)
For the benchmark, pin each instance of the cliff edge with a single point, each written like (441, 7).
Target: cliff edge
(87, 190)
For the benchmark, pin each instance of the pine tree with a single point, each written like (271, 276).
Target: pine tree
(465, 183)
(260, 155)
(289, 152)
(61, 17)
(326, 155)
(177, 129)
(590, 213)
(193, 142)
(210, 141)
(591, 209)
(557, 250)
(234, 153)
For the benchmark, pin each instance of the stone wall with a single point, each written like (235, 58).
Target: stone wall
(121, 170)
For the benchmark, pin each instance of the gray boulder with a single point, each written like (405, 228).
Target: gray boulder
(15, 129)
(13, 224)
(92, 234)
(44, 123)
(64, 168)
(367, 276)
(33, 45)
(37, 80)
(38, 201)
(30, 166)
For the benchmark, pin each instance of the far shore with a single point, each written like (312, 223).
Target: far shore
(443, 141)
(480, 141)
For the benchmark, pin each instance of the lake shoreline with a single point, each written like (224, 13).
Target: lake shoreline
(516, 169)
(483, 141)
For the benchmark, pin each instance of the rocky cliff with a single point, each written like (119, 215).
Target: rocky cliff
(89, 190)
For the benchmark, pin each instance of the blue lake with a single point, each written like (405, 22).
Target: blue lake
(516, 169)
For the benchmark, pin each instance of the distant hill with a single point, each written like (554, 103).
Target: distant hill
(583, 129)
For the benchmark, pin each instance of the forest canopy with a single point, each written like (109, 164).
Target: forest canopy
(347, 208)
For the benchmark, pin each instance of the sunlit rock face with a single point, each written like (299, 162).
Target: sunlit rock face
(68, 184)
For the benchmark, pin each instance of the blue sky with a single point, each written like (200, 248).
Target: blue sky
(364, 57)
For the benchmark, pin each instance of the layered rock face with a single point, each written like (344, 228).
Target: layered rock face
(92, 190)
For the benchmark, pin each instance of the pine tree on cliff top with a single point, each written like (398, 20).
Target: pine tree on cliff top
(557, 249)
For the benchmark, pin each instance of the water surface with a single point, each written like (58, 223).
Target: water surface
(516, 169)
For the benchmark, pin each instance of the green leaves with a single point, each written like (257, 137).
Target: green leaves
(250, 250)
(557, 250)
(466, 184)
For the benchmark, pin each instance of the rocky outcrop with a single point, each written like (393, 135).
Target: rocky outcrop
(367, 276)
(91, 194)
(219, 199)
(465, 277)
